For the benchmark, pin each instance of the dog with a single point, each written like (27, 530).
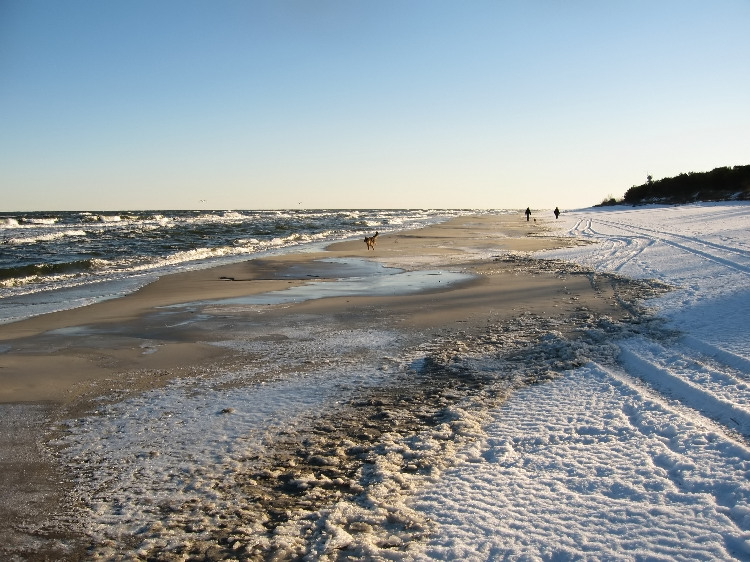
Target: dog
(370, 241)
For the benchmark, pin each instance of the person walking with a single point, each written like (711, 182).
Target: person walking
(527, 212)
(557, 213)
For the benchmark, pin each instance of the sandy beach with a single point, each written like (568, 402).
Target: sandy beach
(473, 277)
(116, 331)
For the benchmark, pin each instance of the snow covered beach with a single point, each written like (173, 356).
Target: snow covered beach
(544, 416)
(643, 457)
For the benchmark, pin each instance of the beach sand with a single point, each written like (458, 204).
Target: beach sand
(64, 365)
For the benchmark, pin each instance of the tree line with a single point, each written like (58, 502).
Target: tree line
(720, 184)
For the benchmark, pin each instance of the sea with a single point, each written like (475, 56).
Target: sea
(51, 261)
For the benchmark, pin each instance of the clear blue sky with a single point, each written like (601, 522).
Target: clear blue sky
(148, 104)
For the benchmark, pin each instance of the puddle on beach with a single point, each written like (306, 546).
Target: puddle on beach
(337, 268)
(351, 277)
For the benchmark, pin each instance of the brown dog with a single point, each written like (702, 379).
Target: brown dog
(370, 241)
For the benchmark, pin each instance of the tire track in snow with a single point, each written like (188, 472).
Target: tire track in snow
(674, 425)
(688, 239)
(731, 360)
(717, 403)
(621, 249)
(630, 248)
(686, 244)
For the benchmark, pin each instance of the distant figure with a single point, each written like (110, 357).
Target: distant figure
(557, 213)
(527, 212)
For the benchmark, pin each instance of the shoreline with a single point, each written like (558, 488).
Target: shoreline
(113, 349)
(129, 321)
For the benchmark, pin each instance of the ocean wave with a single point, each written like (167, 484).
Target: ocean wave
(40, 276)
(8, 222)
(106, 218)
(247, 242)
(44, 237)
(20, 221)
(292, 218)
(19, 275)
(40, 220)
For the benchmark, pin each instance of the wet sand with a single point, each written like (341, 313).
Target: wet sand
(54, 357)
(61, 365)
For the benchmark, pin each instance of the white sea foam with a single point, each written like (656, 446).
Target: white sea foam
(41, 220)
(45, 237)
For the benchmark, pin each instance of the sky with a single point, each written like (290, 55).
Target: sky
(185, 104)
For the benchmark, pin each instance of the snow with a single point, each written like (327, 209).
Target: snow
(591, 466)
(644, 458)
(627, 443)
(703, 249)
